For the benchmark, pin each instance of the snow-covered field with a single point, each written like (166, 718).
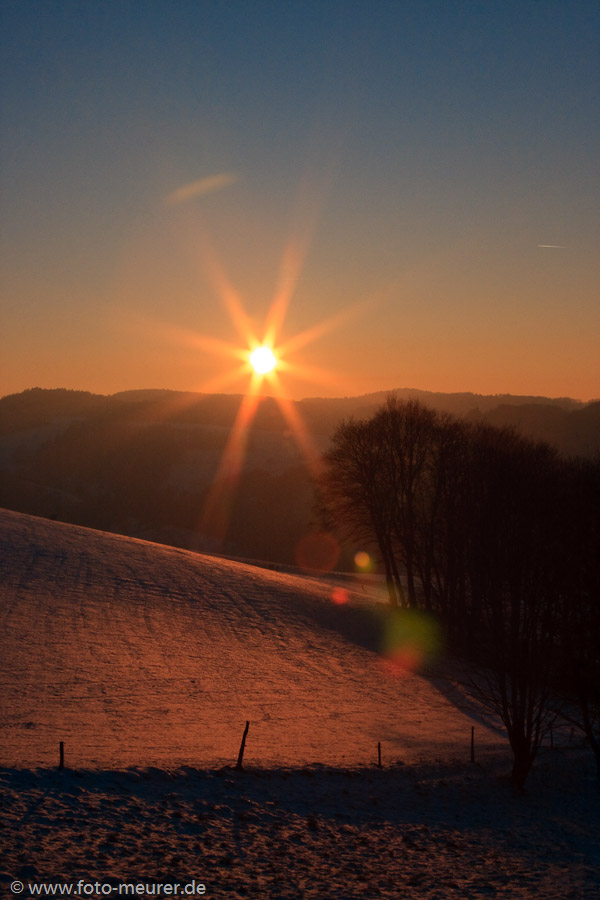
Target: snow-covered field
(147, 661)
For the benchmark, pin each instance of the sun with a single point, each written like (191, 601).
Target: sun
(263, 360)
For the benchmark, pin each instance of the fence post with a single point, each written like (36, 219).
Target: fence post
(61, 755)
(472, 743)
(379, 754)
(241, 753)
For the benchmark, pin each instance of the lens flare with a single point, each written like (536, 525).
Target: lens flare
(264, 356)
(411, 638)
(363, 561)
(339, 596)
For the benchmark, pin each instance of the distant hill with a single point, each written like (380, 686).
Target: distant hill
(321, 413)
(142, 462)
(575, 432)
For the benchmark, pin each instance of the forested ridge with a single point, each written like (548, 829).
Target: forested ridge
(142, 462)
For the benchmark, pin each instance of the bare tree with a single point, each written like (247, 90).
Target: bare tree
(406, 431)
(376, 485)
(352, 492)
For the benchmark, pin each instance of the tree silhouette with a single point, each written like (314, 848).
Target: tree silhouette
(469, 522)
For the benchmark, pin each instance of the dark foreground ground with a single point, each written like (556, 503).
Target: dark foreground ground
(428, 831)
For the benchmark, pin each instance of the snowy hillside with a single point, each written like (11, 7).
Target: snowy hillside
(138, 654)
(147, 661)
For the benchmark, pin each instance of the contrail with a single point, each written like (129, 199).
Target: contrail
(552, 246)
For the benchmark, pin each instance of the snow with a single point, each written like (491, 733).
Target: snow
(147, 661)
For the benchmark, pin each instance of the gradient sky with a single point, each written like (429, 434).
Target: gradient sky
(408, 161)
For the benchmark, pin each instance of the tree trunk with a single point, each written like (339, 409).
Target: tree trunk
(522, 763)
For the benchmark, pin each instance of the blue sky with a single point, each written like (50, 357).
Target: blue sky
(419, 153)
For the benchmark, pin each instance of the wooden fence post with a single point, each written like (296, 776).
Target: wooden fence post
(61, 755)
(241, 753)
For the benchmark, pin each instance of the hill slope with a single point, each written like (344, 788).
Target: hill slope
(135, 653)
